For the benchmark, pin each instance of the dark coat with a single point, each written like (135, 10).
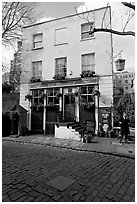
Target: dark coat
(124, 126)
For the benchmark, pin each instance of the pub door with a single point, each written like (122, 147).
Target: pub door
(37, 122)
(51, 116)
(69, 107)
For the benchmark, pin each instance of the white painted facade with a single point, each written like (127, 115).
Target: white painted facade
(73, 48)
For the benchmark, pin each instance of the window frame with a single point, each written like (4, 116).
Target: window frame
(87, 54)
(87, 94)
(51, 94)
(38, 96)
(57, 71)
(40, 70)
(37, 41)
(87, 31)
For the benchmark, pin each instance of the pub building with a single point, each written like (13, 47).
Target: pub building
(67, 75)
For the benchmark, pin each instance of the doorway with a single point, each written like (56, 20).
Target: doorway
(69, 107)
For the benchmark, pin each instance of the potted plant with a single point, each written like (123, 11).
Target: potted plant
(34, 79)
(59, 77)
(87, 73)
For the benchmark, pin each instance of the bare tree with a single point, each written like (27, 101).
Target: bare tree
(104, 28)
(14, 16)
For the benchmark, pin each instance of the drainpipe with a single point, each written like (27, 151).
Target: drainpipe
(29, 115)
(44, 113)
(60, 99)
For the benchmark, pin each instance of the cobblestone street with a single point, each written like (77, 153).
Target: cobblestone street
(28, 168)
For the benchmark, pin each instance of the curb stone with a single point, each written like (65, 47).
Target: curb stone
(70, 148)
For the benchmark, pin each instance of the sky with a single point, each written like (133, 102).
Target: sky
(48, 10)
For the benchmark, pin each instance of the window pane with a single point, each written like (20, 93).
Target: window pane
(85, 28)
(88, 62)
(37, 44)
(37, 69)
(37, 40)
(61, 66)
(83, 90)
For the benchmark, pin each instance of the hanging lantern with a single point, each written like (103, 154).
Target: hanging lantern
(120, 64)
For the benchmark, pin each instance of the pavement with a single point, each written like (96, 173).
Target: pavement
(47, 173)
(110, 146)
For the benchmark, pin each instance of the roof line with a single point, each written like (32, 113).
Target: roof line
(68, 16)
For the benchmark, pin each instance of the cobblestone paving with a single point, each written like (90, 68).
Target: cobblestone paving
(27, 168)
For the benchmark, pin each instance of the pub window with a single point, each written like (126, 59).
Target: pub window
(61, 66)
(86, 94)
(37, 40)
(52, 96)
(36, 96)
(88, 62)
(37, 69)
(85, 30)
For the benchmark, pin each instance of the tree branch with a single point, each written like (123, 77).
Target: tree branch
(95, 30)
(129, 5)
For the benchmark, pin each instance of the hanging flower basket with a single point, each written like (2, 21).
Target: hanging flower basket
(89, 106)
(76, 94)
(96, 93)
(120, 64)
(28, 97)
(58, 95)
(43, 95)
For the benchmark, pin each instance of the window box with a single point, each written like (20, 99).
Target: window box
(59, 77)
(33, 80)
(87, 73)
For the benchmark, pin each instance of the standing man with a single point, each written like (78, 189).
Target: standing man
(124, 127)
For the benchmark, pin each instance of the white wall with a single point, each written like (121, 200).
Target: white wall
(24, 90)
(75, 47)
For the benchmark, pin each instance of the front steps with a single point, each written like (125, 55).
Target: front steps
(72, 130)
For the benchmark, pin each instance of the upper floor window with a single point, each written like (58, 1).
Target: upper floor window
(88, 62)
(37, 69)
(85, 30)
(61, 36)
(37, 40)
(61, 66)
(126, 81)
